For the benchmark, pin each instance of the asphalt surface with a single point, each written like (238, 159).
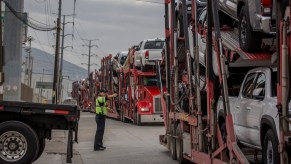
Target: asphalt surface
(126, 144)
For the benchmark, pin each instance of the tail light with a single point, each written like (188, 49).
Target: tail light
(147, 54)
(266, 7)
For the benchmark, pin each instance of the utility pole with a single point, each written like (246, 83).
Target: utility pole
(1, 54)
(62, 56)
(30, 62)
(57, 56)
(89, 55)
(40, 93)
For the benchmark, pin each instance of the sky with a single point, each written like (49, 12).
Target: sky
(118, 24)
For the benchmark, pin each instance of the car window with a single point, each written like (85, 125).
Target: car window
(150, 81)
(139, 46)
(259, 89)
(274, 83)
(202, 17)
(122, 60)
(247, 91)
(154, 45)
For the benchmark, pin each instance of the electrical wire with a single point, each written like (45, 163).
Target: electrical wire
(27, 22)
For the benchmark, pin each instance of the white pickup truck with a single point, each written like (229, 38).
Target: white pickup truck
(255, 115)
(148, 51)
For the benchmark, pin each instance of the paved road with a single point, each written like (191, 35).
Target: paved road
(126, 144)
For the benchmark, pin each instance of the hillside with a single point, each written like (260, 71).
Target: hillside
(43, 60)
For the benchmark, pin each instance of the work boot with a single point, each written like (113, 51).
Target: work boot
(99, 149)
(102, 147)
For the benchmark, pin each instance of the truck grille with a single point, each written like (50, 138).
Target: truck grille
(157, 105)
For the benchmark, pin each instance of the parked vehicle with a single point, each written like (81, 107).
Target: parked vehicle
(200, 4)
(148, 52)
(254, 18)
(255, 113)
(121, 57)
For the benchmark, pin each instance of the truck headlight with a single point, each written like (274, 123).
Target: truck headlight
(144, 109)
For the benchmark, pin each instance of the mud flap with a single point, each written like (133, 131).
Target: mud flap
(70, 147)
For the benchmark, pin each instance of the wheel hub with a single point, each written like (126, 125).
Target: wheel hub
(13, 146)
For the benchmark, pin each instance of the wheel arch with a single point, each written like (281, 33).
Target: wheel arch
(240, 4)
(267, 123)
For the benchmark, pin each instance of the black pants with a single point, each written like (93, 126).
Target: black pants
(100, 120)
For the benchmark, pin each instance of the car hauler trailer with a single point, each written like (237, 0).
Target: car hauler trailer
(107, 82)
(93, 89)
(192, 130)
(81, 93)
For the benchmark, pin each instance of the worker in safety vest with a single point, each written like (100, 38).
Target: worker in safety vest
(101, 111)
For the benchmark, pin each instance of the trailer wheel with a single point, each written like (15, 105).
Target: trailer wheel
(121, 116)
(180, 26)
(223, 132)
(249, 40)
(173, 143)
(134, 121)
(125, 120)
(41, 148)
(179, 145)
(270, 148)
(18, 143)
(138, 119)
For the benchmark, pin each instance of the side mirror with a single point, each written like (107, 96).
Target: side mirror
(259, 93)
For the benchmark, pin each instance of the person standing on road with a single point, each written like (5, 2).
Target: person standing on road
(101, 111)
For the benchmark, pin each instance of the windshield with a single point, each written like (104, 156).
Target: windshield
(154, 45)
(150, 81)
(122, 60)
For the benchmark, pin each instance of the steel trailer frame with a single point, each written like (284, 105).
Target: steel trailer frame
(206, 142)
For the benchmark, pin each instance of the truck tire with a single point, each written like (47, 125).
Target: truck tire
(20, 143)
(249, 40)
(121, 116)
(180, 26)
(179, 145)
(223, 132)
(173, 143)
(125, 120)
(41, 148)
(270, 148)
(138, 119)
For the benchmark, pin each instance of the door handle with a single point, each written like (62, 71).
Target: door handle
(249, 108)
(237, 107)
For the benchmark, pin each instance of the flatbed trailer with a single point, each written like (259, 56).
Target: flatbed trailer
(192, 131)
(24, 127)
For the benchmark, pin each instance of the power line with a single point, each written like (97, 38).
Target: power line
(41, 46)
(27, 22)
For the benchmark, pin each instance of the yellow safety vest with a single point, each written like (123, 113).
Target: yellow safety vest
(101, 109)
